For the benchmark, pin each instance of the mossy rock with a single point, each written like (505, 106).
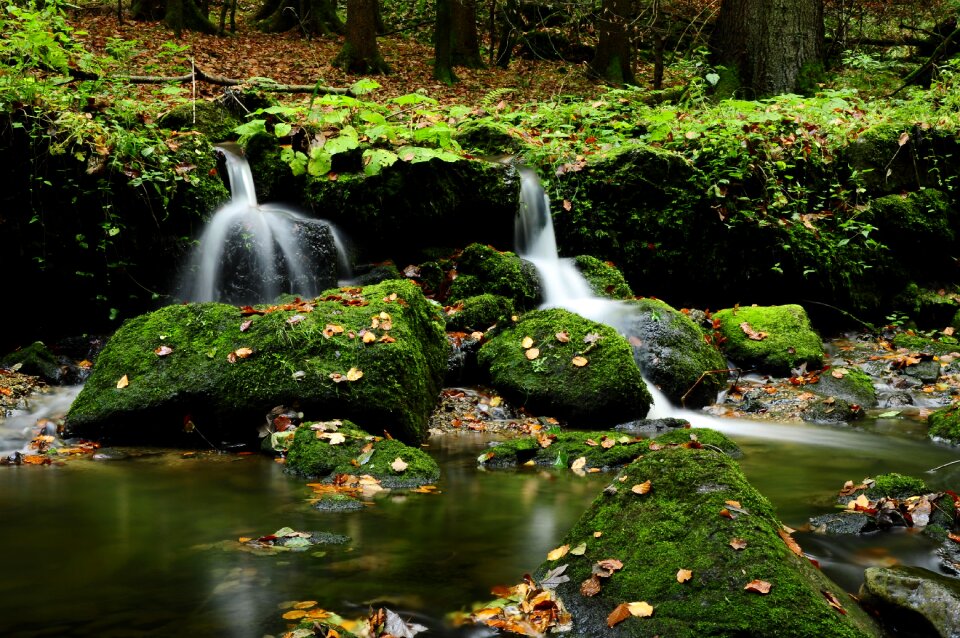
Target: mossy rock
(606, 390)
(208, 117)
(678, 525)
(673, 354)
(295, 359)
(321, 458)
(917, 601)
(485, 270)
(604, 278)
(488, 138)
(853, 385)
(925, 345)
(831, 410)
(481, 312)
(789, 340)
(35, 360)
(944, 424)
(897, 486)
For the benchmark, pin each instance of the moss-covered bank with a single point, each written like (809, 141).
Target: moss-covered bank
(773, 339)
(559, 364)
(698, 503)
(224, 375)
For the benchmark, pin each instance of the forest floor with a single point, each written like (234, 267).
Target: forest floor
(150, 49)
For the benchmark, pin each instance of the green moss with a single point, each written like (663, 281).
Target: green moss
(604, 278)
(36, 360)
(895, 485)
(608, 390)
(705, 437)
(678, 525)
(674, 354)
(209, 118)
(484, 269)
(945, 424)
(916, 343)
(789, 340)
(317, 457)
(488, 138)
(292, 362)
(566, 447)
(854, 386)
(481, 312)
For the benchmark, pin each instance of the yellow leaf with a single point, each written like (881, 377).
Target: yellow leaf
(243, 353)
(579, 550)
(123, 382)
(369, 337)
(640, 609)
(683, 575)
(495, 401)
(532, 353)
(398, 465)
(641, 488)
(526, 343)
(295, 614)
(558, 553)
(354, 375)
(579, 361)
(305, 604)
(334, 438)
(579, 464)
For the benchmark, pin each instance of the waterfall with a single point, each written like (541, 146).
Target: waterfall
(251, 253)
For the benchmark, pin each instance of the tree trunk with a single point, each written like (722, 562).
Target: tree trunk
(613, 60)
(177, 14)
(442, 40)
(360, 52)
(776, 46)
(511, 25)
(464, 41)
(312, 17)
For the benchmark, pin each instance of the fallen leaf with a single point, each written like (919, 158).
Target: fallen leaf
(337, 377)
(758, 587)
(726, 513)
(954, 537)
(399, 465)
(578, 464)
(791, 543)
(590, 587)
(526, 343)
(904, 138)
(558, 553)
(640, 609)
(834, 601)
(246, 325)
(243, 353)
(305, 604)
(532, 353)
(579, 361)
(163, 351)
(123, 382)
(562, 337)
(354, 375)
(839, 373)
(610, 565)
(294, 614)
(641, 488)
(683, 575)
(751, 333)
(738, 543)
(369, 336)
(579, 550)
(607, 443)
(618, 615)
(732, 503)
(555, 577)
(591, 337)
(597, 534)
(334, 438)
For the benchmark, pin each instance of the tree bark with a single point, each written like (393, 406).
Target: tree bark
(464, 40)
(511, 25)
(613, 60)
(312, 17)
(179, 15)
(360, 52)
(776, 46)
(442, 43)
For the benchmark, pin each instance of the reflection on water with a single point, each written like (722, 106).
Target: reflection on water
(135, 545)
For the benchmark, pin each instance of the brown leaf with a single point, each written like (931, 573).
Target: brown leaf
(610, 564)
(123, 382)
(606, 443)
(532, 353)
(564, 337)
(904, 138)
(590, 587)
(738, 543)
(839, 373)
(791, 543)
(758, 587)
(834, 601)
(751, 333)
(243, 353)
(683, 575)
(641, 488)
(578, 464)
(618, 615)
(726, 513)
(579, 361)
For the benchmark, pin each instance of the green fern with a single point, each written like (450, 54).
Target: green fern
(491, 99)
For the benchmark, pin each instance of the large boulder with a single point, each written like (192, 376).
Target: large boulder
(923, 602)
(558, 363)
(770, 339)
(221, 368)
(673, 354)
(483, 269)
(689, 508)
(945, 424)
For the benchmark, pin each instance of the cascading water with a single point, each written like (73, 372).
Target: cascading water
(251, 253)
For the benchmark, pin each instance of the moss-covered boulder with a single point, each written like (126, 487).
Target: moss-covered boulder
(944, 424)
(558, 363)
(914, 600)
(699, 514)
(375, 355)
(673, 354)
(772, 339)
(600, 450)
(325, 449)
(480, 312)
(604, 278)
(910, 223)
(36, 360)
(483, 269)
(851, 384)
(205, 116)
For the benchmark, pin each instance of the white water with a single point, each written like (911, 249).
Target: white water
(19, 427)
(251, 253)
(565, 287)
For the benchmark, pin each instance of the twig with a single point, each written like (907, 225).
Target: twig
(940, 467)
(702, 377)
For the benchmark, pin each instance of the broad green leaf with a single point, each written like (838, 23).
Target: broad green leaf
(295, 159)
(319, 163)
(889, 415)
(413, 98)
(282, 129)
(249, 129)
(347, 140)
(365, 85)
(375, 159)
(372, 117)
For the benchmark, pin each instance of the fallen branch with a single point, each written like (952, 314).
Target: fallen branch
(727, 371)
(199, 75)
(937, 53)
(940, 467)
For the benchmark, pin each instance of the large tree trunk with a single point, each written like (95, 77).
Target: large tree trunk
(613, 60)
(313, 17)
(464, 41)
(177, 14)
(776, 46)
(360, 52)
(442, 49)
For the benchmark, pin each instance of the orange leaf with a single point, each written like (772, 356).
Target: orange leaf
(243, 353)
(683, 575)
(305, 604)
(791, 543)
(532, 353)
(640, 609)
(369, 337)
(726, 513)
(758, 587)
(834, 601)
(751, 333)
(579, 361)
(295, 614)
(618, 615)
(641, 488)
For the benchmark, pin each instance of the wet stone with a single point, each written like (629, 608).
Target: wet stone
(842, 523)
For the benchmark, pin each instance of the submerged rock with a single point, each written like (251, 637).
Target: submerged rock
(375, 355)
(851, 384)
(915, 597)
(682, 509)
(558, 363)
(771, 339)
(673, 354)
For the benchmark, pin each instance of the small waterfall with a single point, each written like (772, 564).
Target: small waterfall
(251, 253)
